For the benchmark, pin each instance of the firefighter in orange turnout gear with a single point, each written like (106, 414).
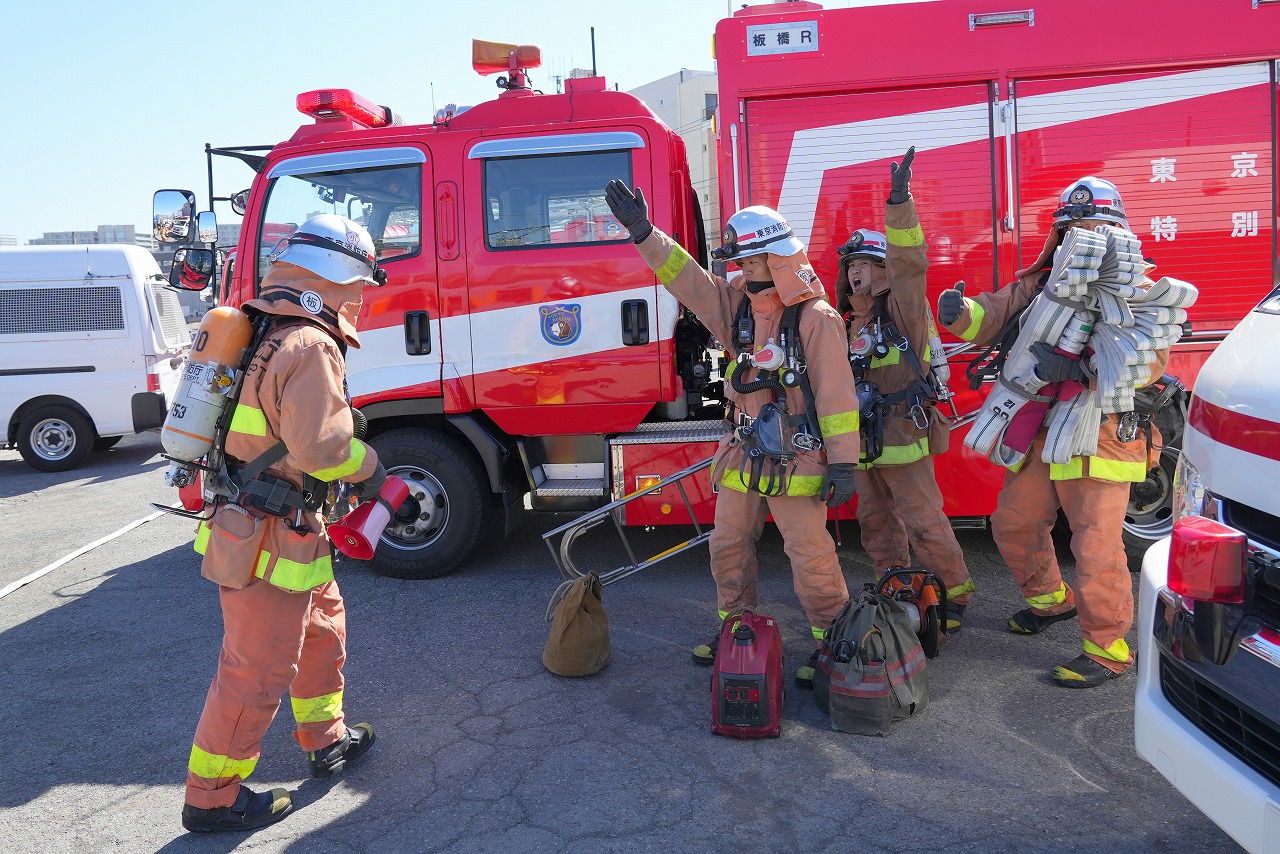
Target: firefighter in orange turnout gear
(816, 470)
(1093, 492)
(284, 619)
(881, 292)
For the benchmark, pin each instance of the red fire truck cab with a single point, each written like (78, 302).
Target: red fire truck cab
(520, 347)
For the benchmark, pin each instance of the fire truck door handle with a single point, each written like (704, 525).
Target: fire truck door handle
(417, 333)
(635, 322)
(1006, 114)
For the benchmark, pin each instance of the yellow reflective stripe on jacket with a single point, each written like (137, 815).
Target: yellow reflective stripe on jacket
(314, 710)
(202, 536)
(248, 420)
(818, 633)
(840, 424)
(351, 466)
(797, 485)
(1117, 471)
(211, 766)
(292, 575)
(961, 589)
(893, 357)
(913, 236)
(1118, 651)
(673, 266)
(1049, 600)
(976, 313)
(730, 369)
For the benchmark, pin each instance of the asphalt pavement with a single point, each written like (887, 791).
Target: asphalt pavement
(104, 664)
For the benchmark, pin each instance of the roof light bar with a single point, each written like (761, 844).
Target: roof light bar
(324, 104)
(995, 19)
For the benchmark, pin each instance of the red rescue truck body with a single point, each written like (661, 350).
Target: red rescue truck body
(1173, 102)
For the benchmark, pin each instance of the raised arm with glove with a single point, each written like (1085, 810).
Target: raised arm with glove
(900, 178)
(629, 209)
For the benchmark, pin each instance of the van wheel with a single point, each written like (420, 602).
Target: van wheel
(55, 438)
(106, 443)
(441, 523)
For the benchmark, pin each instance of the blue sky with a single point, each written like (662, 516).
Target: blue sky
(108, 102)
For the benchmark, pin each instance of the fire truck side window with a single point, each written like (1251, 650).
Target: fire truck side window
(552, 200)
(385, 200)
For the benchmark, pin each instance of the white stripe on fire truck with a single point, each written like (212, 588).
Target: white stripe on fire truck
(817, 150)
(497, 340)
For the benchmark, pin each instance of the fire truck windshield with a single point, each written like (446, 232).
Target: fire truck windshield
(385, 200)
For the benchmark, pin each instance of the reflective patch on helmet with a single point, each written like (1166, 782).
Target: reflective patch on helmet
(561, 324)
(311, 301)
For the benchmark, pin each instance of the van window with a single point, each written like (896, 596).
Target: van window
(38, 311)
(552, 199)
(385, 200)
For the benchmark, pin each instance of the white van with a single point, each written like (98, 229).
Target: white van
(91, 348)
(1207, 713)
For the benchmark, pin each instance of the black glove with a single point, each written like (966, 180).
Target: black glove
(371, 485)
(1054, 367)
(629, 210)
(900, 185)
(951, 304)
(840, 485)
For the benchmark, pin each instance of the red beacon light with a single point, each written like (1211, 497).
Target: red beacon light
(1207, 561)
(343, 104)
(495, 57)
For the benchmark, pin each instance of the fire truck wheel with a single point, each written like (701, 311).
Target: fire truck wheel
(441, 523)
(55, 438)
(1150, 513)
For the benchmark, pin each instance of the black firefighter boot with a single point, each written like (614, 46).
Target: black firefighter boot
(250, 811)
(332, 759)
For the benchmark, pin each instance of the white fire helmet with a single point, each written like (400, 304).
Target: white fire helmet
(1090, 198)
(864, 243)
(755, 231)
(334, 248)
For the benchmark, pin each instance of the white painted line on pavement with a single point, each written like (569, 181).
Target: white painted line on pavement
(40, 573)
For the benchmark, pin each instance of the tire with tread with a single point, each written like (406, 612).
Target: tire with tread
(55, 437)
(446, 515)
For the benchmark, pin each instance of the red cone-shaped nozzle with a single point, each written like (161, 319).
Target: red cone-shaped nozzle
(356, 534)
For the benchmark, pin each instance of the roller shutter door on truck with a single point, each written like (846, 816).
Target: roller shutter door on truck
(823, 162)
(1191, 152)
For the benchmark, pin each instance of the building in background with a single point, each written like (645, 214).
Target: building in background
(104, 234)
(686, 101)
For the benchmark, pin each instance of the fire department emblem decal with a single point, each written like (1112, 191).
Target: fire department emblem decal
(311, 301)
(561, 324)
(1081, 196)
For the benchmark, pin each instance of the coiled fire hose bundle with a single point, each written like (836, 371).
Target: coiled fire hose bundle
(1093, 306)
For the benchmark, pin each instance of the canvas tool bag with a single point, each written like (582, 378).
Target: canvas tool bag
(871, 669)
(579, 641)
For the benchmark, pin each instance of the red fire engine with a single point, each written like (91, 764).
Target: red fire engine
(522, 352)
(1173, 102)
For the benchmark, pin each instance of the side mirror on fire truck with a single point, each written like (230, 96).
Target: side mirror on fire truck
(192, 269)
(171, 215)
(207, 227)
(240, 202)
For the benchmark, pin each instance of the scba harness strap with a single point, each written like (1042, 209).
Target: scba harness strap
(767, 453)
(921, 392)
